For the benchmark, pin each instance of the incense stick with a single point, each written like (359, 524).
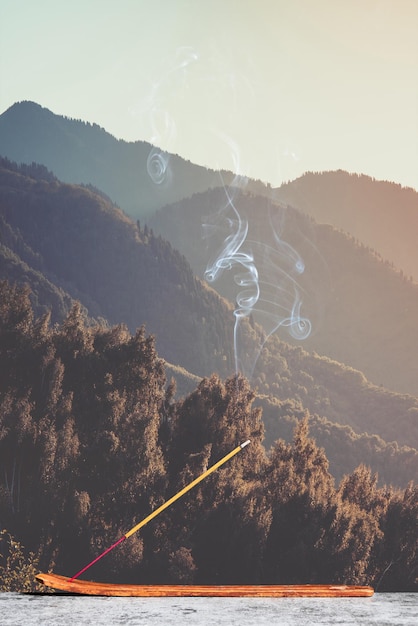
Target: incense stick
(163, 507)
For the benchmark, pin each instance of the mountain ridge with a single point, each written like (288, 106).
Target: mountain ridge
(138, 176)
(363, 311)
(382, 215)
(141, 178)
(77, 237)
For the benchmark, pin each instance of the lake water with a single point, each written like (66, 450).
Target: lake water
(391, 609)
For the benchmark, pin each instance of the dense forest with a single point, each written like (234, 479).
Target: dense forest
(92, 438)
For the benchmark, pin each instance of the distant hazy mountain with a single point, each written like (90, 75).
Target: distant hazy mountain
(68, 242)
(380, 214)
(140, 179)
(136, 175)
(363, 312)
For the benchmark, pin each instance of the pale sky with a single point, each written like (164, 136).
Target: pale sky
(268, 89)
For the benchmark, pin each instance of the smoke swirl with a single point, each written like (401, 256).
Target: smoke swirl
(265, 268)
(158, 166)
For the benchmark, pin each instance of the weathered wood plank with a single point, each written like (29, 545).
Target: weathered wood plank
(85, 587)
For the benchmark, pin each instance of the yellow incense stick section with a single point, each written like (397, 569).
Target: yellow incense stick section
(186, 489)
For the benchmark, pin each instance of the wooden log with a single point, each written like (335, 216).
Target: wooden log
(85, 587)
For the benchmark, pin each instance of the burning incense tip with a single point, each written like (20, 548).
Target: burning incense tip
(245, 443)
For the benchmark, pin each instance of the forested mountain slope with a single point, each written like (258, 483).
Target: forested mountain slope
(87, 248)
(363, 312)
(136, 175)
(380, 214)
(69, 243)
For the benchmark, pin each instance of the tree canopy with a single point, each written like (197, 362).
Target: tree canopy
(92, 440)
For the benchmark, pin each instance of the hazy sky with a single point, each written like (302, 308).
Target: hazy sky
(268, 88)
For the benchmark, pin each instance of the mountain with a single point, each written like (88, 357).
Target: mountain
(91, 251)
(363, 312)
(380, 214)
(140, 178)
(136, 175)
(82, 247)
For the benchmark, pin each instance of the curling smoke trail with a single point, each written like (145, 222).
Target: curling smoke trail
(163, 126)
(158, 167)
(266, 270)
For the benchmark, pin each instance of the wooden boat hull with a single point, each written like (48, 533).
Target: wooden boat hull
(85, 587)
